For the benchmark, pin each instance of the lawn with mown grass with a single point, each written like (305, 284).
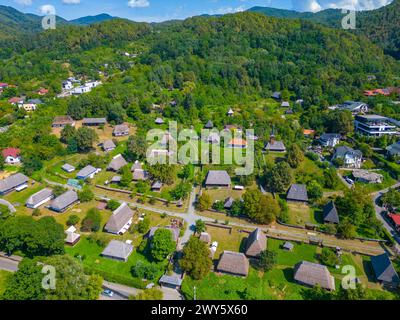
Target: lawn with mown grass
(92, 260)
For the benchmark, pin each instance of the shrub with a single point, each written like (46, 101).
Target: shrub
(113, 205)
(92, 221)
(73, 220)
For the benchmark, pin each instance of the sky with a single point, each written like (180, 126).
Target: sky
(161, 10)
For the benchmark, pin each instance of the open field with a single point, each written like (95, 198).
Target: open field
(300, 214)
(227, 240)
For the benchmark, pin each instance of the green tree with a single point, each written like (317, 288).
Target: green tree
(260, 208)
(279, 177)
(204, 202)
(328, 257)
(144, 225)
(346, 229)
(73, 220)
(126, 176)
(67, 133)
(136, 148)
(200, 226)
(85, 137)
(113, 205)
(150, 294)
(196, 258)
(314, 190)
(162, 244)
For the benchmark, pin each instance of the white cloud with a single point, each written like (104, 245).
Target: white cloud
(47, 9)
(138, 3)
(226, 10)
(71, 1)
(317, 5)
(24, 2)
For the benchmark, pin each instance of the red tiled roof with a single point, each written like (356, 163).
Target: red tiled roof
(395, 218)
(238, 142)
(2, 84)
(15, 100)
(11, 152)
(308, 132)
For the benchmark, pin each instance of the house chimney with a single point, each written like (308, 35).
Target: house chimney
(272, 139)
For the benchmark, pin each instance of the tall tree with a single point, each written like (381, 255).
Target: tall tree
(196, 258)
(162, 244)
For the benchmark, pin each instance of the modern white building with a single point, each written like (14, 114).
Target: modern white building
(374, 125)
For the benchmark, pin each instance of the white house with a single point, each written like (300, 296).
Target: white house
(11, 156)
(351, 158)
(87, 172)
(39, 198)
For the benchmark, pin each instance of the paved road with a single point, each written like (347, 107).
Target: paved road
(8, 265)
(121, 292)
(379, 210)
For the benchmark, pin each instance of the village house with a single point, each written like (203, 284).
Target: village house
(108, 146)
(233, 263)
(313, 274)
(87, 172)
(374, 125)
(68, 168)
(308, 132)
(288, 246)
(394, 149)
(330, 213)
(16, 101)
(256, 243)
(63, 121)
(330, 140)
(396, 220)
(174, 232)
(297, 193)
(213, 138)
(64, 201)
(121, 130)
(15, 182)
(205, 237)
(209, 125)
(351, 158)
(117, 163)
(136, 166)
(172, 282)
(94, 122)
(384, 271)
(159, 121)
(39, 198)
(72, 238)
(117, 250)
(120, 220)
(276, 95)
(42, 92)
(140, 175)
(30, 105)
(230, 113)
(218, 178)
(11, 156)
(275, 146)
(367, 176)
(116, 179)
(67, 85)
(285, 104)
(228, 203)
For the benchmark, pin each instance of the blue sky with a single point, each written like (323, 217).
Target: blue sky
(161, 10)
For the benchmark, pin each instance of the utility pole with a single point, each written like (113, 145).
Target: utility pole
(194, 296)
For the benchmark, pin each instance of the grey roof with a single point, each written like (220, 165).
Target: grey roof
(297, 192)
(109, 144)
(352, 105)
(205, 237)
(140, 174)
(65, 200)
(285, 104)
(233, 263)
(94, 121)
(275, 146)
(86, 171)
(118, 249)
(209, 125)
(343, 151)
(256, 243)
(117, 163)
(330, 136)
(38, 197)
(228, 203)
(121, 129)
(156, 185)
(174, 232)
(384, 270)
(159, 121)
(313, 274)
(116, 179)
(394, 149)
(171, 280)
(12, 182)
(330, 213)
(119, 218)
(9, 205)
(288, 246)
(63, 120)
(72, 237)
(367, 175)
(218, 178)
(35, 101)
(67, 167)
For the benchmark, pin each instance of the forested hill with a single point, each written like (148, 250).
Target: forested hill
(382, 25)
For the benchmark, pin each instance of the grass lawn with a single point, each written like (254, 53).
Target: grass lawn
(222, 194)
(232, 241)
(18, 199)
(3, 278)
(90, 253)
(290, 258)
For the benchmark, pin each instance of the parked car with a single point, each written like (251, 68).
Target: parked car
(108, 293)
(348, 180)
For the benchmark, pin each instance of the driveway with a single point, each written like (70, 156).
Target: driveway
(8, 264)
(121, 292)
